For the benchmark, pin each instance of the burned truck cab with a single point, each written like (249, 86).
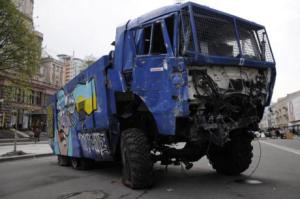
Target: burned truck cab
(197, 70)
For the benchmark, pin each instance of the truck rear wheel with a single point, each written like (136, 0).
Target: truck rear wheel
(82, 163)
(75, 162)
(86, 164)
(63, 160)
(136, 159)
(232, 159)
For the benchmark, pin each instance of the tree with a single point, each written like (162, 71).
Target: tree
(20, 49)
(89, 60)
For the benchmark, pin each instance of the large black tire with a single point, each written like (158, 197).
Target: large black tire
(63, 160)
(232, 159)
(86, 164)
(136, 159)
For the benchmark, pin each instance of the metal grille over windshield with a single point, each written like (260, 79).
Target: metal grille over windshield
(265, 46)
(186, 41)
(249, 42)
(216, 34)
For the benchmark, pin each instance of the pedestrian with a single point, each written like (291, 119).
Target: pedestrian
(36, 132)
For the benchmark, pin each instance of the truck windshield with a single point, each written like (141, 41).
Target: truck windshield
(217, 36)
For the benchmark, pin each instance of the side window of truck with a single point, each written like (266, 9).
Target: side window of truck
(150, 40)
(157, 40)
(142, 40)
(170, 28)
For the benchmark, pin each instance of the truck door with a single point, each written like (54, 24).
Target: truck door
(153, 71)
(151, 63)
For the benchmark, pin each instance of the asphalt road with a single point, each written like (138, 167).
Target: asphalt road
(278, 176)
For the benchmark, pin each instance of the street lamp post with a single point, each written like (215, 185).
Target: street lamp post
(15, 142)
(2, 122)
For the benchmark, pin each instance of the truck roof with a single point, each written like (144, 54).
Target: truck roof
(177, 7)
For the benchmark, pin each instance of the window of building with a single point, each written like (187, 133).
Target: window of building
(39, 98)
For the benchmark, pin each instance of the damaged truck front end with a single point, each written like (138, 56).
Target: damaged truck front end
(206, 78)
(231, 73)
(197, 76)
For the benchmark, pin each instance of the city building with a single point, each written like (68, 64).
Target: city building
(268, 119)
(285, 113)
(22, 106)
(79, 65)
(68, 69)
(72, 66)
(51, 71)
(26, 8)
(281, 111)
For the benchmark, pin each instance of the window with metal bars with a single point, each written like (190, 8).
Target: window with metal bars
(215, 33)
(217, 36)
(266, 51)
(248, 42)
(186, 35)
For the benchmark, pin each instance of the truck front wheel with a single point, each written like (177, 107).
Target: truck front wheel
(232, 159)
(136, 159)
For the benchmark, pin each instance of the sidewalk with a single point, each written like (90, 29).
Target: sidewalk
(297, 137)
(31, 150)
(20, 142)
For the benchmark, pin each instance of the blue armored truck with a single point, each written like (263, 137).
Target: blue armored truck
(185, 74)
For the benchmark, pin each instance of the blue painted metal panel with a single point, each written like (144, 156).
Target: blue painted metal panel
(177, 7)
(81, 115)
(162, 84)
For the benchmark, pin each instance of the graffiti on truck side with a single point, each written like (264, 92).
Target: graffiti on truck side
(72, 109)
(95, 143)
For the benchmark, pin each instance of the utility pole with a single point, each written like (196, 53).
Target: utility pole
(3, 114)
(15, 141)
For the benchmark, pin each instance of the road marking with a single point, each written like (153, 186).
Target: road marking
(297, 152)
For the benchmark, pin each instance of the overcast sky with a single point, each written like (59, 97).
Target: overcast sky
(88, 27)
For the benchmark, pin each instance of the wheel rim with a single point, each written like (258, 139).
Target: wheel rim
(75, 163)
(59, 160)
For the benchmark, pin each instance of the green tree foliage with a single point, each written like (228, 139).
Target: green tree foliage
(20, 48)
(89, 60)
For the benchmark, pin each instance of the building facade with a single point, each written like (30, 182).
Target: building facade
(51, 71)
(285, 113)
(68, 69)
(72, 66)
(26, 8)
(79, 66)
(22, 106)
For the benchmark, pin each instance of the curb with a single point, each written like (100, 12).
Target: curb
(5, 140)
(27, 156)
(23, 143)
(297, 137)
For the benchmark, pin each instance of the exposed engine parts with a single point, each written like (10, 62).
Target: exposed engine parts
(191, 152)
(224, 99)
